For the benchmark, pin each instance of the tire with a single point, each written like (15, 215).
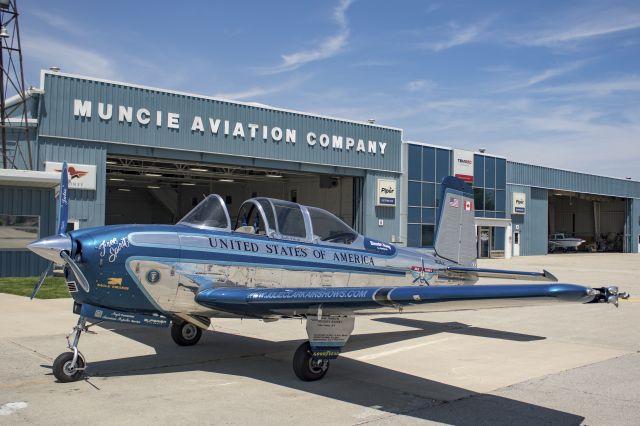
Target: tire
(185, 333)
(62, 370)
(306, 368)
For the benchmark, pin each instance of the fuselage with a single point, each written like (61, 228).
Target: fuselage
(161, 267)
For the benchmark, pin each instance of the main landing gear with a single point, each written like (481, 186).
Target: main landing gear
(185, 333)
(70, 366)
(306, 367)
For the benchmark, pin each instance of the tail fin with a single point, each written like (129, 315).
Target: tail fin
(63, 213)
(455, 239)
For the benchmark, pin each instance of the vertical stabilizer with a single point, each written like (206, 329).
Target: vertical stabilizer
(455, 238)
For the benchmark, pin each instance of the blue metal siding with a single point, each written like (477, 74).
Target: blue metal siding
(57, 120)
(546, 177)
(86, 206)
(534, 224)
(634, 225)
(26, 201)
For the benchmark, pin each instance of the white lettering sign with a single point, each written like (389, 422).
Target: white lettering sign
(218, 126)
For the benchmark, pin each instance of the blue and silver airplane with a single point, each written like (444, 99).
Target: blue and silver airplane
(279, 260)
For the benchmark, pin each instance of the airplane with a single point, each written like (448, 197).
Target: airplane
(279, 260)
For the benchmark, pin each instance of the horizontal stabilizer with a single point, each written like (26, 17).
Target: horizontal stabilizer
(506, 275)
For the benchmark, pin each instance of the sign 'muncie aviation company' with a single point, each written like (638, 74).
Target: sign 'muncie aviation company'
(219, 126)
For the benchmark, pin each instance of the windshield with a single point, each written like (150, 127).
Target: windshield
(290, 219)
(327, 227)
(210, 213)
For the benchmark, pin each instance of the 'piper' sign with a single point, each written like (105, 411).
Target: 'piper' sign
(519, 203)
(386, 194)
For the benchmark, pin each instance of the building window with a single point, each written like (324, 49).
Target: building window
(489, 186)
(16, 231)
(443, 164)
(478, 198)
(428, 195)
(427, 235)
(427, 166)
(414, 194)
(415, 166)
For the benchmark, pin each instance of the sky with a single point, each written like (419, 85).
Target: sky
(555, 83)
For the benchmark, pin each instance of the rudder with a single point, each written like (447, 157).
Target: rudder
(455, 238)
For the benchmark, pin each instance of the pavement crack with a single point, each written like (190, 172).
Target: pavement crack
(31, 350)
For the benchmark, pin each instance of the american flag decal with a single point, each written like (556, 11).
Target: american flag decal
(454, 202)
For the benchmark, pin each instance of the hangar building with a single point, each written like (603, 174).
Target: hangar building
(148, 155)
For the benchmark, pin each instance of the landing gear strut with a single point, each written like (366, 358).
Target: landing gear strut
(70, 366)
(185, 333)
(306, 367)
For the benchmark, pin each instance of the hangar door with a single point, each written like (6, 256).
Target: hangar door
(598, 220)
(144, 190)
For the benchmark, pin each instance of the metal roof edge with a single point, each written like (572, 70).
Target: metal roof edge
(205, 97)
(573, 171)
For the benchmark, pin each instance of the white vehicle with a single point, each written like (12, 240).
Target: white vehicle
(563, 243)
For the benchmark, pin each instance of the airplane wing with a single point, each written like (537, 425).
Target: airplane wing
(260, 302)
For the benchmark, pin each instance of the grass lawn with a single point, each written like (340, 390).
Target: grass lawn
(53, 287)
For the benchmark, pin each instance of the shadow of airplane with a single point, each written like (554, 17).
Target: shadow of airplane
(349, 380)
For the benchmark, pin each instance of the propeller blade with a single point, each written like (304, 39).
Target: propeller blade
(41, 280)
(63, 216)
(82, 280)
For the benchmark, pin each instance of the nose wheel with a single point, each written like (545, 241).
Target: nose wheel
(70, 366)
(306, 367)
(185, 333)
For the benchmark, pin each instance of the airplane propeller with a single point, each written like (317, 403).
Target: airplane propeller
(56, 247)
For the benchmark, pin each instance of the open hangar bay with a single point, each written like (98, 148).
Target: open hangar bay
(567, 364)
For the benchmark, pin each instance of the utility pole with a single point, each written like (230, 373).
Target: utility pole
(14, 126)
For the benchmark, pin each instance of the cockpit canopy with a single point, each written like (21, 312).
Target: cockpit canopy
(273, 218)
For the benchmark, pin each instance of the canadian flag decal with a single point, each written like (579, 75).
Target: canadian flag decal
(467, 205)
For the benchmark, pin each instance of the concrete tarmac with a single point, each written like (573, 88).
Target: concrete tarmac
(560, 364)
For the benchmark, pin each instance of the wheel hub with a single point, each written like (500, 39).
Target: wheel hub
(189, 331)
(69, 368)
(318, 365)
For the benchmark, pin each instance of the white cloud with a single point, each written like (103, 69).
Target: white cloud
(576, 28)
(260, 91)
(69, 57)
(597, 88)
(325, 49)
(459, 36)
(420, 86)
(58, 22)
(519, 81)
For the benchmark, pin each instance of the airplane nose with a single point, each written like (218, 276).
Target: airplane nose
(50, 247)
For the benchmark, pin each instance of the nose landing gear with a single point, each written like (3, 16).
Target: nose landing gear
(70, 366)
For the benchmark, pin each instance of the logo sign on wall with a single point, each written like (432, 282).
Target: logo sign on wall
(519, 203)
(81, 176)
(386, 194)
(463, 165)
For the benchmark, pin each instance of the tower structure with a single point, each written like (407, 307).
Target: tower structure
(14, 125)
